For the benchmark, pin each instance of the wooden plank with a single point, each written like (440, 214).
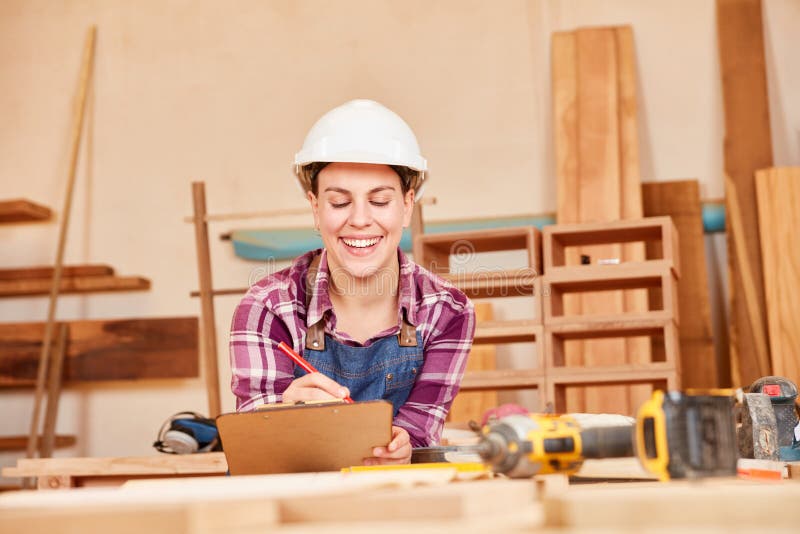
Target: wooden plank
(74, 285)
(597, 163)
(18, 443)
(164, 464)
(508, 331)
(22, 210)
(600, 190)
(494, 284)
(69, 271)
(637, 348)
(681, 201)
(502, 379)
(133, 349)
(565, 129)
(204, 275)
(79, 106)
(748, 147)
(470, 405)
(722, 505)
(778, 200)
(750, 290)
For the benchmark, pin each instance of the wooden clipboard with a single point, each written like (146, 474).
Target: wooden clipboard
(304, 438)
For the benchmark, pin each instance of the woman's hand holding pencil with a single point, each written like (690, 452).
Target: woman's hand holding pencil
(312, 386)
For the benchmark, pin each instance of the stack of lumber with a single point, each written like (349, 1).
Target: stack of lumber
(597, 166)
(37, 281)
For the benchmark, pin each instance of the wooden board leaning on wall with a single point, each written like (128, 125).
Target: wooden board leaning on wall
(748, 147)
(681, 201)
(778, 192)
(122, 349)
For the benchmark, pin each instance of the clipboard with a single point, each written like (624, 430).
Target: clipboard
(304, 437)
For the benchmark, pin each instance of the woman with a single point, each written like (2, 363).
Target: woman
(375, 324)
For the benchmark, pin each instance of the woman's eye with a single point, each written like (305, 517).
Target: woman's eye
(379, 203)
(337, 205)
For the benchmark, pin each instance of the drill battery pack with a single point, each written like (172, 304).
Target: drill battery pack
(681, 435)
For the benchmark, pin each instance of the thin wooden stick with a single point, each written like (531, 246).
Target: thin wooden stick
(77, 129)
(748, 282)
(48, 441)
(208, 322)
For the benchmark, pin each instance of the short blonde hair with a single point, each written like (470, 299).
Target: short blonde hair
(307, 174)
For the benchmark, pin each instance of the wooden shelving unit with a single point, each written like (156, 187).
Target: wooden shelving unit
(437, 252)
(660, 325)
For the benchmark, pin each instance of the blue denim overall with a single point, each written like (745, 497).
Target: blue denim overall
(386, 369)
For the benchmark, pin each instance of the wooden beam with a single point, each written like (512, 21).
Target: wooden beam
(70, 271)
(755, 317)
(209, 326)
(133, 349)
(778, 200)
(680, 200)
(22, 210)
(75, 144)
(72, 285)
(747, 148)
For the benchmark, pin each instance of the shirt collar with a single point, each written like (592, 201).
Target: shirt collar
(320, 300)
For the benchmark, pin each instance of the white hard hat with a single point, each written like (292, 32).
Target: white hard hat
(362, 131)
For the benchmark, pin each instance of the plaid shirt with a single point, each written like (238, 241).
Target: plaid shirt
(274, 310)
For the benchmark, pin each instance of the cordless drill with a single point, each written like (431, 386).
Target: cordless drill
(522, 446)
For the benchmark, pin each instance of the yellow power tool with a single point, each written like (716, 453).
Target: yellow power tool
(522, 446)
(687, 435)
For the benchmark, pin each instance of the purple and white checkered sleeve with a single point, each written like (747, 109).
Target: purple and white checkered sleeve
(424, 412)
(260, 373)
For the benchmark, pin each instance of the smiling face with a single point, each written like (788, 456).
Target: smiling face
(360, 210)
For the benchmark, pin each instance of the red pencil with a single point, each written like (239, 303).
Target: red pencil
(299, 360)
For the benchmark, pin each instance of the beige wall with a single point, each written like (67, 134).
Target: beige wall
(225, 91)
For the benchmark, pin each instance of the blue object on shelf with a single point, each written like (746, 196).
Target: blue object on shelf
(288, 243)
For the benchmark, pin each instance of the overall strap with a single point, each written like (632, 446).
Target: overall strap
(315, 335)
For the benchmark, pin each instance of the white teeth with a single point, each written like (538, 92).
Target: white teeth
(361, 243)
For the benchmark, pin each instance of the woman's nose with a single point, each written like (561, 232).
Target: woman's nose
(361, 214)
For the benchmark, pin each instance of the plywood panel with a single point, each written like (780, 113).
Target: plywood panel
(681, 201)
(778, 192)
(748, 147)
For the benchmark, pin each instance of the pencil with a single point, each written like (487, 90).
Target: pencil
(299, 360)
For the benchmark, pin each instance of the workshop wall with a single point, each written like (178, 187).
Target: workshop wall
(225, 92)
